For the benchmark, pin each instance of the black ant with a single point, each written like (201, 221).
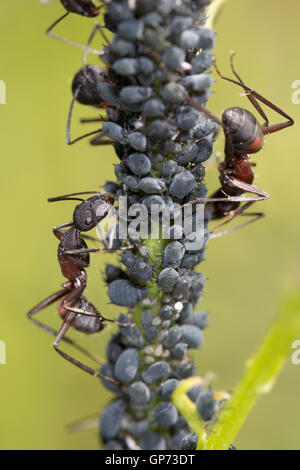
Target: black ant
(80, 7)
(84, 89)
(243, 136)
(73, 257)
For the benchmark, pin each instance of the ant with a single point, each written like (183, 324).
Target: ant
(80, 7)
(73, 257)
(243, 136)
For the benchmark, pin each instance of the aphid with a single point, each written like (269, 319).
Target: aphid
(131, 29)
(73, 257)
(111, 419)
(207, 406)
(165, 414)
(153, 441)
(172, 337)
(137, 268)
(182, 184)
(154, 108)
(189, 442)
(151, 333)
(126, 366)
(173, 254)
(187, 119)
(138, 428)
(126, 66)
(199, 319)
(151, 185)
(147, 317)
(166, 389)
(139, 164)
(173, 58)
(160, 130)
(137, 141)
(173, 93)
(167, 279)
(139, 393)
(157, 372)
(179, 351)
(191, 335)
(134, 95)
(166, 312)
(122, 292)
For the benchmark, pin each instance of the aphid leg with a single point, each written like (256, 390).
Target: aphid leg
(67, 41)
(266, 128)
(48, 301)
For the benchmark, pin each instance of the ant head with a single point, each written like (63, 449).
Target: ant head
(90, 212)
(81, 7)
(85, 84)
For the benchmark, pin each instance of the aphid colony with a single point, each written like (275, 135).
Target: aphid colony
(153, 88)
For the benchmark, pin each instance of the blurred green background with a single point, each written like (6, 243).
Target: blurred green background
(247, 271)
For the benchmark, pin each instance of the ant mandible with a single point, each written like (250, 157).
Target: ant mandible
(243, 136)
(73, 257)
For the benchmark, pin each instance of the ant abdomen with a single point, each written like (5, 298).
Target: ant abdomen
(85, 84)
(83, 322)
(81, 7)
(246, 133)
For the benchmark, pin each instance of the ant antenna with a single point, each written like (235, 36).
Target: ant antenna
(68, 197)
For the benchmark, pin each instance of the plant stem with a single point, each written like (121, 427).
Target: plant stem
(260, 375)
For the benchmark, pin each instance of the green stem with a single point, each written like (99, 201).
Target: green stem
(260, 375)
(188, 409)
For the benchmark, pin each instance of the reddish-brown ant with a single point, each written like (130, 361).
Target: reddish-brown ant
(73, 257)
(243, 136)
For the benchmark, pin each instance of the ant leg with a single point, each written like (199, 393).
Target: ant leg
(68, 134)
(67, 41)
(234, 213)
(86, 313)
(98, 140)
(227, 199)
(48, 301)
(265, 128)
(57, 230)
(245, 187)
(256, 216)
(249, 96)
(96, 250)
(61, 335)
